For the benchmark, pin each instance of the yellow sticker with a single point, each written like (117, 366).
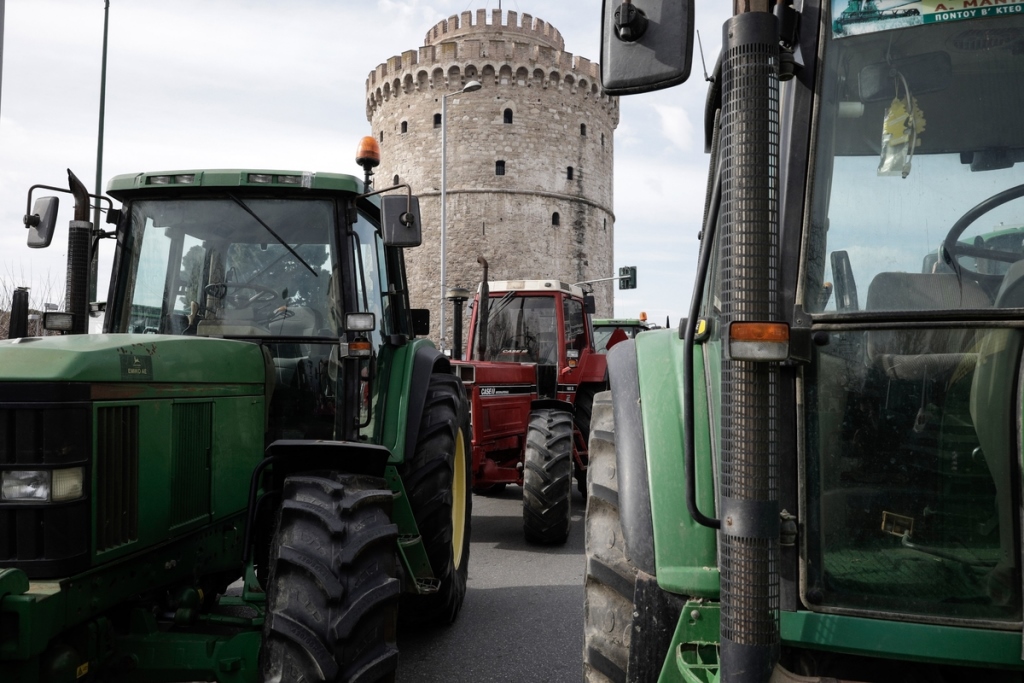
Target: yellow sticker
(82, 670)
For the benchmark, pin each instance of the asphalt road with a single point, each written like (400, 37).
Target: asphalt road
(522, 620)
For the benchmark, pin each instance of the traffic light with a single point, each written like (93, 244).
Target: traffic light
(627, 277)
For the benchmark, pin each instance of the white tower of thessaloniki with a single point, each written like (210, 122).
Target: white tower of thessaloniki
(529, 155)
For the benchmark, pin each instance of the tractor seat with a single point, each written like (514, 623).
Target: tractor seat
(916, 354)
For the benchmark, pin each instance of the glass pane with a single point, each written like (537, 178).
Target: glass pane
(916, 128)
(909, 470)
(520, 328)
(216, 268)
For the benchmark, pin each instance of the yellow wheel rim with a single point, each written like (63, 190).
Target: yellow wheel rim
(459, 493)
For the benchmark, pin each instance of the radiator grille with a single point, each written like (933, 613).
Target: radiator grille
(190, 462)
(117, 475)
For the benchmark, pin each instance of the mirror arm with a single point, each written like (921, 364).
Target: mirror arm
(32, 220)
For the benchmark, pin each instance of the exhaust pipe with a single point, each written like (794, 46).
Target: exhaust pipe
(749, 245)
(79, 255)
(484, 314)
(18, 326)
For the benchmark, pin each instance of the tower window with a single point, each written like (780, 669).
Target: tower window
(508, 116)
(602, 139)
(396, 180)
(382, 136)
(499, 167)
(583, 129)
(556, 219)
(437, 120)
(405, 126)
(568, 173)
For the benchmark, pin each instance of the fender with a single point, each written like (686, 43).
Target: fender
(631, 457)
(685, 552)
(425, 362)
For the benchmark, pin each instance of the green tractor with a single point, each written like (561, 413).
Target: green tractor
(819, 476)
(257, 470)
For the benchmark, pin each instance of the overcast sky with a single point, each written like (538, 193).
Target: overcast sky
(274, 84)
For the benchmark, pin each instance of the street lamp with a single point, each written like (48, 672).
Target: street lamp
(472, 86)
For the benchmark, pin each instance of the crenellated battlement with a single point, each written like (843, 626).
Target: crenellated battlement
(464, 25)
(526, 53)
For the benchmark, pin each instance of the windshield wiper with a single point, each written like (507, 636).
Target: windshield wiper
(284, 244)
(502, 303)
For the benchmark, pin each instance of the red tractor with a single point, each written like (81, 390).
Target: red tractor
(531, 375)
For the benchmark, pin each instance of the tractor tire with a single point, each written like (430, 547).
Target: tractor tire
(610, 576)
(437, 481)
(582, 416)
(332, 595)
(547, 477)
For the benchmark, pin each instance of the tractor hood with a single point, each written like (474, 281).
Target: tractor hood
(144, 358)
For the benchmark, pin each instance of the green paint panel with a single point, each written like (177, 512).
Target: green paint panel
(902, 640)
(163, 358)
(684, 550)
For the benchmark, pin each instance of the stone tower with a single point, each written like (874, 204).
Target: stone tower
(529, 155)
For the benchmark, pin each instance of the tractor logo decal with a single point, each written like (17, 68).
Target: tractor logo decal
(136, 368)
(507, 390)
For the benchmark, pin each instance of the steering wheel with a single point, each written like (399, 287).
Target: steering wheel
(952, 249)
(220, 290)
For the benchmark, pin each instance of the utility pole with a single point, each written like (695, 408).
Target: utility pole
(2, 3)
(94, 260)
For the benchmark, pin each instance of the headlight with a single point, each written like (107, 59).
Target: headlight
(43, 485)
(26, 485)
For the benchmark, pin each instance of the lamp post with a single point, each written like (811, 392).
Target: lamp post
(472, 86)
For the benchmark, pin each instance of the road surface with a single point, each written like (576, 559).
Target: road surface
(522, 620)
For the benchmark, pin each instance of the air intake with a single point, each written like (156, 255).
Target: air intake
(117, 476)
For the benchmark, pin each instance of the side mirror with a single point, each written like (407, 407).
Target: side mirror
(421, 321)
(589, 304)
(400, 220)
(645, 46)
(42, 222)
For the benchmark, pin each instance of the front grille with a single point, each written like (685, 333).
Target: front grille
(190, 462)
(117, 474)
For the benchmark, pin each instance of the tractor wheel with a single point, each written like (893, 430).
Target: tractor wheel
(437, 481)
(582, 415)
(547, 476)
(332, 595)
(610, 576)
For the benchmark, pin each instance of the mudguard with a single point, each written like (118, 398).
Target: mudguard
(631, 457)
(426, 360)
(685, 552)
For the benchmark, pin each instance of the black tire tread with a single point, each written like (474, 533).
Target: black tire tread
(547, 476)
(610, 577)
(332, 595)
(428, 478)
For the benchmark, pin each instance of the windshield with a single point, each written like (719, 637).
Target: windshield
(521, 329)
(227, 267)
(916, 127)
(910, 439)
(603, 335)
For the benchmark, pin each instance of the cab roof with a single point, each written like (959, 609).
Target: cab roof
(123, 186)
(534, 286)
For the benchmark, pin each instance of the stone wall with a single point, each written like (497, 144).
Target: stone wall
(541, 112)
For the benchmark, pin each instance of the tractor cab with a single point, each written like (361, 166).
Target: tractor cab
(243, 255)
